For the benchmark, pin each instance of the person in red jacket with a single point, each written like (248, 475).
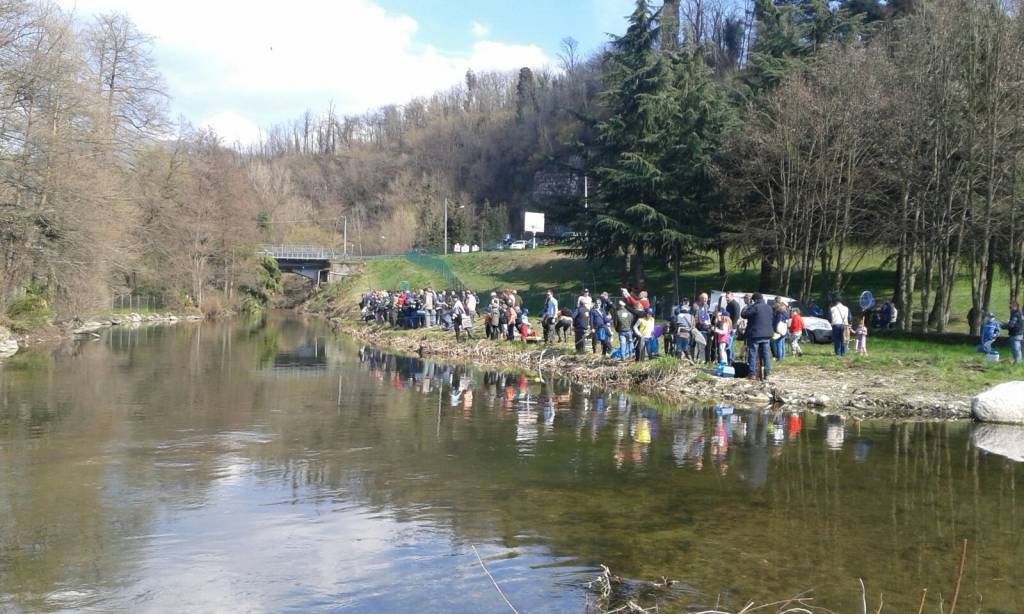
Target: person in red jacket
(796, 330)
(640, 303)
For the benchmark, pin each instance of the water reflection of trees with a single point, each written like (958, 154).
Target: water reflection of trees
(754, 505)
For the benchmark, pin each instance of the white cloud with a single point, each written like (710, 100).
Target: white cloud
(479, 30)
(232, 127)
(234, 65)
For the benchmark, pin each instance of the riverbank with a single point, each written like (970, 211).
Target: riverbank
(58, 332)
(849, 392)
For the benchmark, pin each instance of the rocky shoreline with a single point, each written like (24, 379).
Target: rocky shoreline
(91, 326)
(59, 332)
(849, 393)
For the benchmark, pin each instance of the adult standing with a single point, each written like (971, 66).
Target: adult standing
(702, 323)
(780, 327)
(1015, 327)
(513, 321)
(684, 329)
(429, 306)
(585, 300)
(639, 303)
(596, 326)
(839, 315)
(580, 323)
(623, 320)
(550, 315)
(458, 313)
(735, 310)
(759, 333)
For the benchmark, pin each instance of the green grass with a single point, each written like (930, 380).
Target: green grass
(28, 312)
(944, 365)
(392, 273)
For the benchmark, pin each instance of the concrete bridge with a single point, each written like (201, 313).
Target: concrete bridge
(319, 264)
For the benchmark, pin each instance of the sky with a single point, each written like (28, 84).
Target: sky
(242, 66)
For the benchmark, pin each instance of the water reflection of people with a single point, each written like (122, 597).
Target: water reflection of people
(526, 431)
(720, 445)
(689, 432)
(835, 432)
(794, 425)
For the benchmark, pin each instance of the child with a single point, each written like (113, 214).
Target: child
(723, 328)
(989, 332)
(862, 338)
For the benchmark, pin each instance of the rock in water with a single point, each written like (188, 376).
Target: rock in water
(8, 344)
(1002, 439)
(1003, 403)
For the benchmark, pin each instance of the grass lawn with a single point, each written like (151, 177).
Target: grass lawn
(941, 365)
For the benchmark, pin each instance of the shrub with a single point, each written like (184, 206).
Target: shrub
(28, 312)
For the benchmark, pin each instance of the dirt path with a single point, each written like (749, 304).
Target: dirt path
(849, 392)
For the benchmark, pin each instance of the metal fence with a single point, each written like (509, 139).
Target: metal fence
(129, 303)
(439, 266)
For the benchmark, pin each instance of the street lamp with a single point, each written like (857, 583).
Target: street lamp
(344, 241)
(446, 224)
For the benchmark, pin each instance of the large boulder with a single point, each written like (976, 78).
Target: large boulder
(1002, 439)
(8, 344)
(1003, 403)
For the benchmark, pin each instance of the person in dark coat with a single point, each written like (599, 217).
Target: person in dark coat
(580, 324)
(759, 334)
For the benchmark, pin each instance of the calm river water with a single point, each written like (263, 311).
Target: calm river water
(222, 468)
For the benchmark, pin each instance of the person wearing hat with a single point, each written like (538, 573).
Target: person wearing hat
(989, 333)
(584, 300)
(644, 331)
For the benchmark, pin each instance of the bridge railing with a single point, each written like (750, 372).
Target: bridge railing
(314, 252)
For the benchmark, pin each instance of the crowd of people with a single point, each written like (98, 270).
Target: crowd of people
(624, 327)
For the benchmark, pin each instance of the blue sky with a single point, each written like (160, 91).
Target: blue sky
(240, 66)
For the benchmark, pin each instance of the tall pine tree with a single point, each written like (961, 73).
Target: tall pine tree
(625, 165)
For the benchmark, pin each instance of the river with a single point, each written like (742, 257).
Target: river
(276, 468)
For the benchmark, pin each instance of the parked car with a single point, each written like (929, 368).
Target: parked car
(517, 245)
(816, 330)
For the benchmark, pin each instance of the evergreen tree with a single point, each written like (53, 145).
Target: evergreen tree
(699, 114)
(630, 184)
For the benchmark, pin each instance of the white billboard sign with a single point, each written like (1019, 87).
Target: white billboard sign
(533, 222)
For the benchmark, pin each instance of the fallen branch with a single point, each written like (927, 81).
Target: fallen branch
(959, 575)
(496, 587)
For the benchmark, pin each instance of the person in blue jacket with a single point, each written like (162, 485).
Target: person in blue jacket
(989, 333)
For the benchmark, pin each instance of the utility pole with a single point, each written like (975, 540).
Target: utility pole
(345, 238)
(586, 192)
(446, 226)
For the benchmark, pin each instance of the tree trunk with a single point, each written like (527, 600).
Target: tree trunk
(638, 267)
(675, 276)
